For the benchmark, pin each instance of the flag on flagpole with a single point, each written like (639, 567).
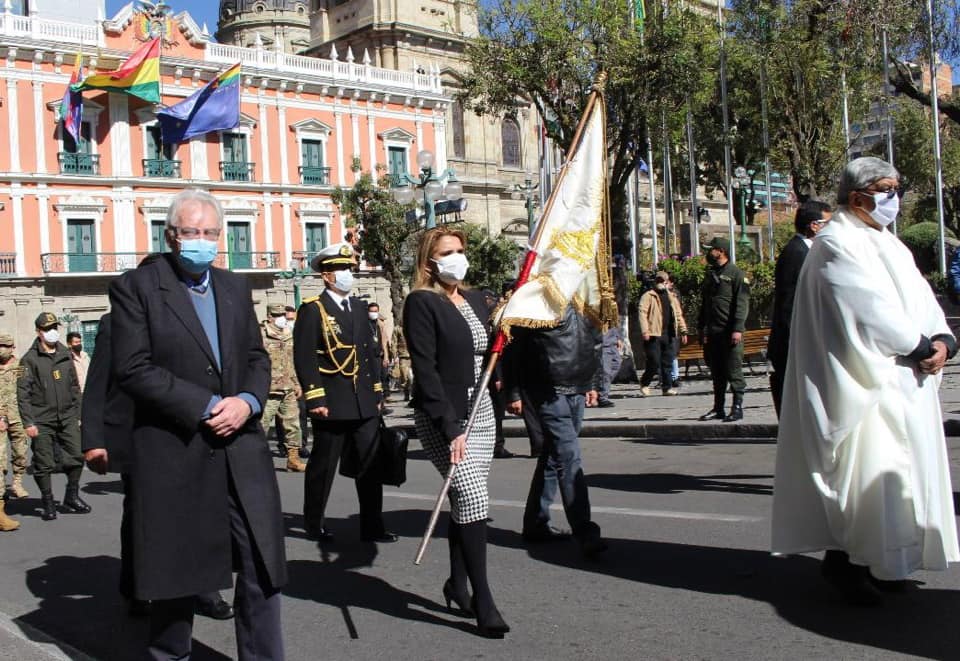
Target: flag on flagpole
(138, 76)
(71, 107)
(572, 256)
(216, 107)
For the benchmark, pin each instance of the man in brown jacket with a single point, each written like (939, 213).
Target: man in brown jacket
(661, 320)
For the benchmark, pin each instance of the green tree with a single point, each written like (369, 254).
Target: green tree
(493, 260)
(550, 52)
(384, 233)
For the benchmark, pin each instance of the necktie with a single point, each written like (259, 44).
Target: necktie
(346, 305)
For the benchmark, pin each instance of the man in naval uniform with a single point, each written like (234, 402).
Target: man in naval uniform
(336, 364)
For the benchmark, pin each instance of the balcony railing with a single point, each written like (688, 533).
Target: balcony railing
(8, 263)
(116, 262)
(302, 258)
(397, 179)
(260, 261)
(161, 167)
(236, 170)
(314, 176)
(78, 163)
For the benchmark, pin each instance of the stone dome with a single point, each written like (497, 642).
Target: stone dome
(234, 7)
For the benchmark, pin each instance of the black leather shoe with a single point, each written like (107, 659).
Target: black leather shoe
(593, 546)
(712, 415)
(736, 413)
(545, 534)
(73, 503)
(49, 509)
(217, 609)
(323, 535)
(852, 581)
(605, 403)
(503, 453)
(385, 537)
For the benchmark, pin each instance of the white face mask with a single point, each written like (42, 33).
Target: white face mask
(280, 322)
(343, 280)
(51, 336)
(373, 315)
(452, 269)
(885, 209)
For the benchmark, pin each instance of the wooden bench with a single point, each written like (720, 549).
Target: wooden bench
(754, 344)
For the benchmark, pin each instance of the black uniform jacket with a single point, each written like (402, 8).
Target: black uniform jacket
(786, 275)
(163, 361)
(107, 415)
(48, 390)
(335, 359)
(441, 352)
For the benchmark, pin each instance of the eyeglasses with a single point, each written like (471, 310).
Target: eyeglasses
(890, 192)
(193, 233)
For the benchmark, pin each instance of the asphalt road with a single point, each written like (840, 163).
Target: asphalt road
(687, 575)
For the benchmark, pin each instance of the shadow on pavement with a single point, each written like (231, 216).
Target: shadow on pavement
(98, 488)
(921, 623)
(80, 606)
(677, 483)
(334, 579)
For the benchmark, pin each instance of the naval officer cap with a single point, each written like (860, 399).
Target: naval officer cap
(333, 258)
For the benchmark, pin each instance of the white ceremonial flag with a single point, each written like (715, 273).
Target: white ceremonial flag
(572, 257)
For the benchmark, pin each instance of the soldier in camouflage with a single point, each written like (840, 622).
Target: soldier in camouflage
(11, 426)
(284, 388)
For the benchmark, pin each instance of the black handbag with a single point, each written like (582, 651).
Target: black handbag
(389, 463)
(392, 455)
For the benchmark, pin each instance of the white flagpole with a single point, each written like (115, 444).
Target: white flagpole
(692, 162)
(727, 158)
(886, 108)
(937, 161)
(766, 157)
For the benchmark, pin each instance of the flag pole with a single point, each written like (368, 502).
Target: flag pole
(501, 339)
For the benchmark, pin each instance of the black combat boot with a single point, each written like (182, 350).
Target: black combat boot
(72, 502)
(49, 506)
(736, 411)
(716, 413)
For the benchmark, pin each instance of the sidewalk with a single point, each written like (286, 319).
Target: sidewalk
(676, 418)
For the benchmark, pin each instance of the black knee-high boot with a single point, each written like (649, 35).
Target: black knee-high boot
(456, 588)
(473, 537)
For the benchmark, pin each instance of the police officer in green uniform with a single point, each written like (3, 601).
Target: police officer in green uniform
(48, 394)
(339, 372)
(723, 315)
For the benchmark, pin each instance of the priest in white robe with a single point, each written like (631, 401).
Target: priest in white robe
(862, 468)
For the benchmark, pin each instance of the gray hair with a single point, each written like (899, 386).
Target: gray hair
(189, 197)
(860, 173)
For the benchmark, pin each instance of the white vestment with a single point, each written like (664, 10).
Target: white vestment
(861, 456)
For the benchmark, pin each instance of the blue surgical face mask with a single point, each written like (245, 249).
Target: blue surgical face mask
(196, 255)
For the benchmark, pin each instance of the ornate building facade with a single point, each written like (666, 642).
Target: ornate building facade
(281, 25)
(75, 214)
(490, 154)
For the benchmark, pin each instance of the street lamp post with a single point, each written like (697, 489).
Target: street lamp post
(741, 181)
(430, 183)
(527, 191)
(295, 273)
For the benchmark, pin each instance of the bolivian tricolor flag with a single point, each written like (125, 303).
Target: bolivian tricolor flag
(139, 76)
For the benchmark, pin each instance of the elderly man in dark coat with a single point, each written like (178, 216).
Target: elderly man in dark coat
(187, 350)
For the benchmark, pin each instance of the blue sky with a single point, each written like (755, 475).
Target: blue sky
(201, 10)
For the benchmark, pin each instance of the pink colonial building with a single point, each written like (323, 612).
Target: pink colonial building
(76, 214)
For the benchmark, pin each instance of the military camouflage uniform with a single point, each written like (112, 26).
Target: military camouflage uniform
(403, 368)
(9, 410)
(283, 386)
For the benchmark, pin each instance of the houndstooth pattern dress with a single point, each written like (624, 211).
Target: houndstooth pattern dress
(469, 499)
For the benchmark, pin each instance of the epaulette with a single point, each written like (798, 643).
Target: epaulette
(309, 300)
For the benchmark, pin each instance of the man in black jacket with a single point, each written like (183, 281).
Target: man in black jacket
(48, 394)
(559, 370)
(811, 217)
(339, 372)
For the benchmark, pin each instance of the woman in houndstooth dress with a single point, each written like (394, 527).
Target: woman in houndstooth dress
(447, 336)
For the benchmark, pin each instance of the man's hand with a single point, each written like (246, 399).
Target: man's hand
(320, 411)
(228, 416)
(32, 431)
(298, 393)
(498, 385)
(97, 460)
(683, 339)
(516, 408)
(458, 449)
(646, 337)
(592, 397)
(934, 363)
(736, 338)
